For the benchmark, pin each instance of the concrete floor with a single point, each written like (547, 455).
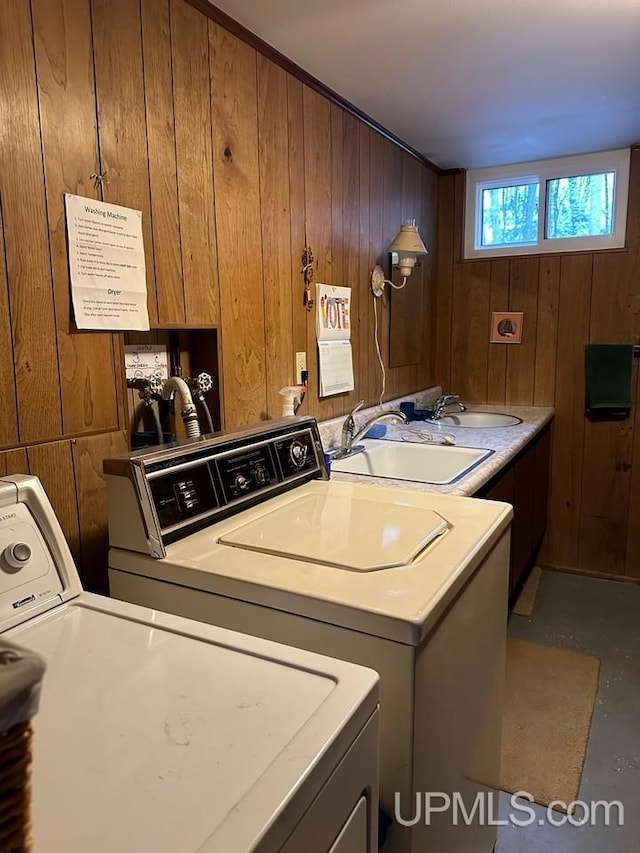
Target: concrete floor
(600, 618)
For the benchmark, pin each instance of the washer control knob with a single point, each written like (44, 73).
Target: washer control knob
(17, 555)
(298, 453)
(241, 483)
(262, 475)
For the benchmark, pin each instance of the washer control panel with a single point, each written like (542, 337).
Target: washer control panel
(192, 487)
(27, 571)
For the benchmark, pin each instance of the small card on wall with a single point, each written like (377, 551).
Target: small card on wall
(506, 327)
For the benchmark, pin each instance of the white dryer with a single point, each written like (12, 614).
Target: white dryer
(159, 733)
(244, 530)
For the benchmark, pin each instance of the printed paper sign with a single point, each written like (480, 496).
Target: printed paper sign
(106, 264)
(335, 361)
(142, 361)
(333, 317)
(333, 331)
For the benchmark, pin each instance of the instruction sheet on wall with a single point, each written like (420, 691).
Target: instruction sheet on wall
(333, 331)
(106, 265)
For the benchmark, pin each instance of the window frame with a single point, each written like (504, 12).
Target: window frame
(477, 180)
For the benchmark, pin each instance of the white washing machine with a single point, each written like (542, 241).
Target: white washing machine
(160, 733)
(244, 530)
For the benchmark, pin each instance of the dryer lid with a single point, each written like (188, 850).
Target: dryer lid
(344, 531)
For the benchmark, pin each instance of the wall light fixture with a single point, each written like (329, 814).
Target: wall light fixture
(406, 247)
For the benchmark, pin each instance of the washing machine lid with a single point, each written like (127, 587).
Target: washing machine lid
(347, 532)
(158, 733)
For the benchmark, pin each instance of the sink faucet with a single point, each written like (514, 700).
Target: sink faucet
(444, 403)
(350, 437)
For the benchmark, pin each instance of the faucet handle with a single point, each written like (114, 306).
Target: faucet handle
(349, 425)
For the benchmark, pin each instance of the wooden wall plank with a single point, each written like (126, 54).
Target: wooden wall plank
(236, 171)
(192, 104)
(24, 216)
(337, 187)
(377, 254)
(521, 358)
(429, 231)
(300, 316)
(53, 464)
(161, 142)
(318, 217)
(547, 331)
(604, 506)
(470, 333)
(391, 222)
(8, 404)
(88, 455)
(568, 433)
(497, 356)
(64, 64)
(273, 149)
(442, 323)
(406, 306)
(351, 277)
(14, 462)
(117, 47)
(365, 366)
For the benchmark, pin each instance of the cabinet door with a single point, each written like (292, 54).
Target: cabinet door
(523, 534)
(541, 486)
(502, 490)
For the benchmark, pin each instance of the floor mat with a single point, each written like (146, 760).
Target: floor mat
(549, 700)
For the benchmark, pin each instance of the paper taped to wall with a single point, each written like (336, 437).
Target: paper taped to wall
(106, 265)
(333, 331)
(336, 367)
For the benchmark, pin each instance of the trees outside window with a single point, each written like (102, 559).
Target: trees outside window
(570, 204)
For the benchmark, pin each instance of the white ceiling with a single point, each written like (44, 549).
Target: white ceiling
(471, 82)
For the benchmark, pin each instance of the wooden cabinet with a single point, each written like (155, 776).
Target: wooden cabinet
(525, 485)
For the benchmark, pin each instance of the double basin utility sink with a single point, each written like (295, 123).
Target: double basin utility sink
(421, 463)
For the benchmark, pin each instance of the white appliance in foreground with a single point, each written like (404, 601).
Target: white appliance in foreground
(159, 733)
(243, 530)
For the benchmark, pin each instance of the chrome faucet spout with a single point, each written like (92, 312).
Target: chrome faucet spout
(446, 403)
(350, 437)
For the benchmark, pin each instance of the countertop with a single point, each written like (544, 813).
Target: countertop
(506, 442)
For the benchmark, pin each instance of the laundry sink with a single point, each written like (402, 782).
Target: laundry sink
(479, 419)
(421, 463)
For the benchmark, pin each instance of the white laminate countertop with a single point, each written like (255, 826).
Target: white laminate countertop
(506, 442)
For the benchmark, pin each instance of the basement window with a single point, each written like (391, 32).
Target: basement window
(571, 204)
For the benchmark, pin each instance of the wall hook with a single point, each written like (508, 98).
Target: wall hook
(99, 180)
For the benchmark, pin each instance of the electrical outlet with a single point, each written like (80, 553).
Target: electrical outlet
(301, 364)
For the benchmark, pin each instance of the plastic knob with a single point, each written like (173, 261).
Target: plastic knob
(17, 555)
(241, 483)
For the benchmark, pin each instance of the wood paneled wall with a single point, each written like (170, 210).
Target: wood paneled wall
(568, 300)
(234, 163)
